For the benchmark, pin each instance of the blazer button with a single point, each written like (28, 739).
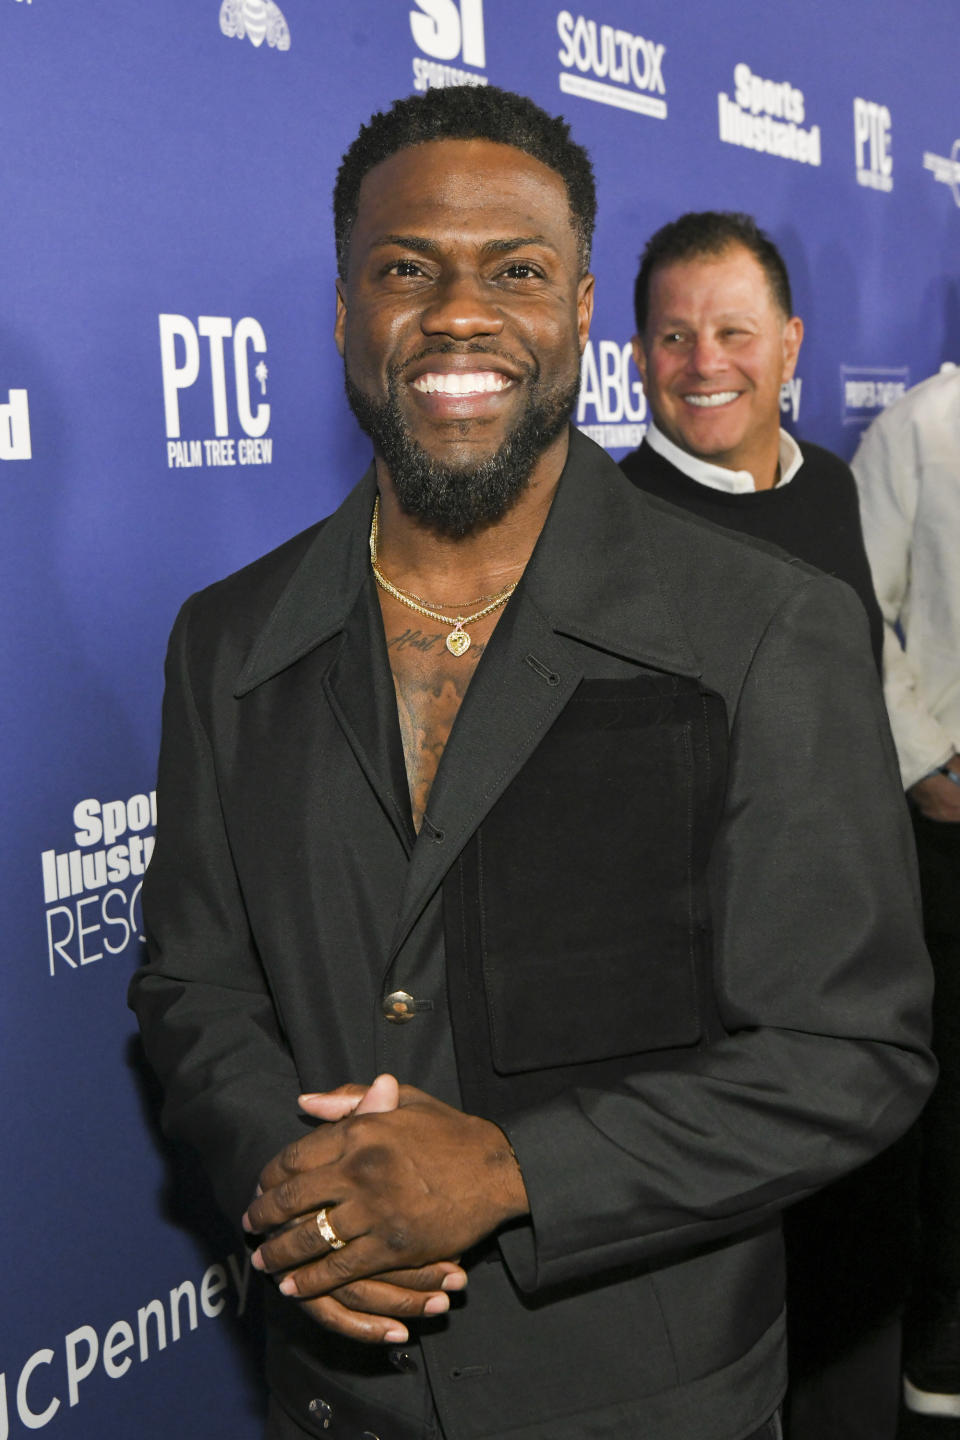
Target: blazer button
(399, 1007)
(403, 1361)
(321, 1413)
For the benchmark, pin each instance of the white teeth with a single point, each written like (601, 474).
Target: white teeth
(451, 382)
(705, 402)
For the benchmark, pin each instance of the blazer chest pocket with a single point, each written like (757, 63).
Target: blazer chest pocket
(589, 876)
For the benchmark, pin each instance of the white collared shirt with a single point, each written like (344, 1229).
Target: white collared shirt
(734, 482)
(908, 473)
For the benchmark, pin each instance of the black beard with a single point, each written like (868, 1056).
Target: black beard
(455, 499)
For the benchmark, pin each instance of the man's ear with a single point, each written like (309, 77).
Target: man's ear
(792, 340)
(640, 357)
(339, 325)
(585, 289)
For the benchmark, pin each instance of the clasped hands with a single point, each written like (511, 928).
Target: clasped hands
(407, 1182)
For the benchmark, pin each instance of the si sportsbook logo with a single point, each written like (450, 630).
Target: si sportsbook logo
(445, 30)
(181, 360)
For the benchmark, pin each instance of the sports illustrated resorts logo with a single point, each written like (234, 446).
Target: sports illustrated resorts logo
(611, 66)
(767, 115)
(612, 407)
(180, 360)
(871, 139)
(945, 168)
(256, 21)
(868, 389)
(790, 398)
(447, 31)
(91, 889)
(15, 427)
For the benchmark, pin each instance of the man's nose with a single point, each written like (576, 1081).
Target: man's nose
(707, 355)
(462, 307)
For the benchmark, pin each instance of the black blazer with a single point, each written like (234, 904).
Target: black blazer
(684, 964)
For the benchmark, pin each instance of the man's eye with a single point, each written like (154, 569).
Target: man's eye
(405, 267)
(522, 270)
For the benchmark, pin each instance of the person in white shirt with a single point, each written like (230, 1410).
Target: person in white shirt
(908, 474)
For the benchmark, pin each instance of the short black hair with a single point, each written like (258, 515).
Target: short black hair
(709, 232)
(467, 112)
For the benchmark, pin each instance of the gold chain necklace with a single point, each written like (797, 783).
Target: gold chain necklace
(458, 641)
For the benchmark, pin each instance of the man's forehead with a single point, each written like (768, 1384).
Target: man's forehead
(468, 173)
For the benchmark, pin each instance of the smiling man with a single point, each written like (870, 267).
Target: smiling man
(716, 339)
(456, 793)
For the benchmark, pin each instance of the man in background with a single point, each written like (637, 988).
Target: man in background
(716, 339)
(908, 473)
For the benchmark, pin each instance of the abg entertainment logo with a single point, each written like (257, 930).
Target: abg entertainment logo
(182, 371)
(612, 407)
(871, 138)
(15, 427)
(92, 890)
(611, 66)
(767, 115)
(447, 31)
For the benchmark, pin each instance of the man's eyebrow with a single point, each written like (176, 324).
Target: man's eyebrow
(421, 245)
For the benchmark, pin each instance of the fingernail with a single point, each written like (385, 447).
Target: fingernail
(396, 1336)
(454, 1282)
(288, 1286)
(256, 1260)
(436, 1305)
(245, 1222)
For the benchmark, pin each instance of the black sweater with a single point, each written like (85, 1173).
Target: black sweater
(815, 517)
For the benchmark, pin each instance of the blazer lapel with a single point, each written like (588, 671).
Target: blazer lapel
(330, 593)
(594, 579)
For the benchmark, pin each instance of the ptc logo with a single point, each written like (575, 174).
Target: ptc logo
(256, 21)
(871, 138)
(446, 31)
(15, 427)
(180, 361)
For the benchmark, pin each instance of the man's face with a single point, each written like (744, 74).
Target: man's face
(461, 322)
(714, 354)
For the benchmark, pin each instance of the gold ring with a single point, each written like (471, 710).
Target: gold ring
(327, 1231)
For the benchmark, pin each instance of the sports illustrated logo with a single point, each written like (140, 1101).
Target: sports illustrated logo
(945, 169)
(871, 139)
(632, 63)
(611, 389)
(767, 115)
(869, 389)
(790, 398)
(445, 30)
(256, 21)
(166, 1317)
(15, 427)
(253, 448)
(92, 890)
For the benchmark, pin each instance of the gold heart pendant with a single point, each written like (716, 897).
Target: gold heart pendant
(458, 642)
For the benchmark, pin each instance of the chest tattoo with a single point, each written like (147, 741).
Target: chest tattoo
(430, 686)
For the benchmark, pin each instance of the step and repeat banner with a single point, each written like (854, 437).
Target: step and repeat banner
(171, 405)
